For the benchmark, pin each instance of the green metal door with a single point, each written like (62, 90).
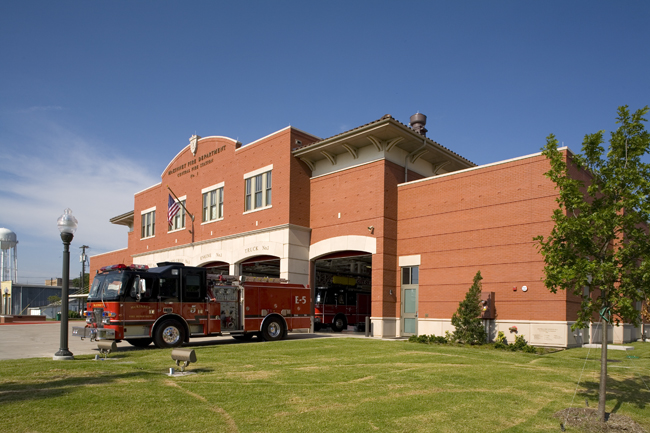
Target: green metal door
(409, 286)
(409, 310)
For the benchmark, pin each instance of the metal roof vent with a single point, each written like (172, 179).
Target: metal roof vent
(418, 121)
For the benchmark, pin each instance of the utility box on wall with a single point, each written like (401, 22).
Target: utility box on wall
(487, 305)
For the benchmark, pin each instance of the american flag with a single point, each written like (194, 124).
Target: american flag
(172, 209)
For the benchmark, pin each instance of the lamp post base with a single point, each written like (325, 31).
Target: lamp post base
(63, 355)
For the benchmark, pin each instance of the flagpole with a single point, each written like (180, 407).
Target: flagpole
(185, 209)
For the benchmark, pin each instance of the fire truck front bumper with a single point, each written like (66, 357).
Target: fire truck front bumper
(93, 333)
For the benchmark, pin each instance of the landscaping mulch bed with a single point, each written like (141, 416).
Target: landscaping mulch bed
(587, 420)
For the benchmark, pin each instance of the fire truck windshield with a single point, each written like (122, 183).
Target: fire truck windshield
(324, 295)
(108, 287)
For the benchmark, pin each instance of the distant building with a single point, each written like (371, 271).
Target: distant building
(22, 297)
(55, 282)
(76, 304)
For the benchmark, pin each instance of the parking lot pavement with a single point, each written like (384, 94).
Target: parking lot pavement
(37, 340)
(19, 341)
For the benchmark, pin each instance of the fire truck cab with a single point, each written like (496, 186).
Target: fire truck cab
(170, 303)
(338, 306)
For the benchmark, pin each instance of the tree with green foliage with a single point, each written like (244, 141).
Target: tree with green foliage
(53, 299)
(76, 282)
(467, 319)
(599, 247)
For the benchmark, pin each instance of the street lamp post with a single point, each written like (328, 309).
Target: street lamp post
(67, 224)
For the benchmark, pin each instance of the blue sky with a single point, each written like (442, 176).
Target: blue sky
(97, 97)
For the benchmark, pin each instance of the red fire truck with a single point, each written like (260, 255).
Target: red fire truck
(338, 306)
(170, 303)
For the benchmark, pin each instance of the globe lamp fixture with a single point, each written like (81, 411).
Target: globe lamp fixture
(67, 223)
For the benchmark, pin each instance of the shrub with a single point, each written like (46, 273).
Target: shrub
(519, 344)
(501, 342)
(428, 339)
(419, 339)
(438, 339)
(530, 349)
(467, 319)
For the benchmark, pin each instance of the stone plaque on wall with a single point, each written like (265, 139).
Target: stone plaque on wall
(548, 334)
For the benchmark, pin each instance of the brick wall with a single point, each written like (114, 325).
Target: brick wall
(107, 259)
(363, 196)
(482, 219)
(228, 166)
(356, 194)
(300, 186)
(220, 159)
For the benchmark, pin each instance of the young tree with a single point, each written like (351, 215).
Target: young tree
(599, 248)
(76, 282)
(467, 319)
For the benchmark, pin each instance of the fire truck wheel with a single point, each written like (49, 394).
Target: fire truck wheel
(139, 342)
(273, 329)
(170, 333)
(339, 323)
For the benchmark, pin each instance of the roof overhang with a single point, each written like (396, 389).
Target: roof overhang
(126, 219)
(385, 134)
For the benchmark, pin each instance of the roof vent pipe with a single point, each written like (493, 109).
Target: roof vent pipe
(418, 121)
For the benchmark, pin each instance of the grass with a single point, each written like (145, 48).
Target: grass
(320, 384)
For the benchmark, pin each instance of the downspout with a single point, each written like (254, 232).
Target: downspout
(406, 160)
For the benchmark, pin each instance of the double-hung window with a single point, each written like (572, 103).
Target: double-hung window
(213, 202)
(267, 189)
(178, 222)
(148, 218)
(258, 189)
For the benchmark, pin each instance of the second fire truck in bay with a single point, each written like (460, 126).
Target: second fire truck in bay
(339, 306)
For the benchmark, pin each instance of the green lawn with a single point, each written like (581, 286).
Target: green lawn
(318, 385)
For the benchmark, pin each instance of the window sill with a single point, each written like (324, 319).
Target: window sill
(177, 230)
(212, 221)
(258, 209)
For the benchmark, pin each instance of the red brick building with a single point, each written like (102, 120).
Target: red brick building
(399, 214)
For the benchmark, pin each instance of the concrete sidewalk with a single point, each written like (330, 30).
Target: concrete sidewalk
(35, 340)
(41, 340)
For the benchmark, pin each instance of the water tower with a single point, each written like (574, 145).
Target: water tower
(8, 243)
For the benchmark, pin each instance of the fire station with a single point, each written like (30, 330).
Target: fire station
(381, 209)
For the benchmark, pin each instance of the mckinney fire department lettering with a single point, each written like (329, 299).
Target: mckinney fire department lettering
(193, 164)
